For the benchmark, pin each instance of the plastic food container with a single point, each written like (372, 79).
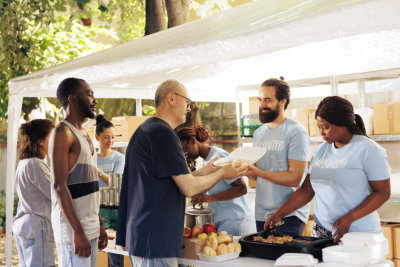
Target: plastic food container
(358, 249)
(223, 257)
(296, 259)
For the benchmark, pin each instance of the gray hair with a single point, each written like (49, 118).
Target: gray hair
(168, 86)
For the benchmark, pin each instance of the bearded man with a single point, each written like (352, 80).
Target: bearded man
(78, 228)
(283, 167)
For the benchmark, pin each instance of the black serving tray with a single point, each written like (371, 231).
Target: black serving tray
(300, 244)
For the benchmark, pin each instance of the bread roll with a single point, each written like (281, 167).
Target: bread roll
(238, 247)
(224, 239)
(212, 242)
(231, 248)
(207, 251)
(222, 249)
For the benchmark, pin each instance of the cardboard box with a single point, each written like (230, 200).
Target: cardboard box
(312, 125)
(102, 259)
(396, 242)
(127, 262)
(387, 118)
(302, 116)
(192, 246)
(125, 126)
(388, 232)
(253, 105)
(396, 262)
(252, 183)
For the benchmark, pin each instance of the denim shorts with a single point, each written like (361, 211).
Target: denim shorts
(68, 258)
(36, 252)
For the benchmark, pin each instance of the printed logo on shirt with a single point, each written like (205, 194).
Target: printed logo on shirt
(329, 163)
(107, 168)
(273, 145)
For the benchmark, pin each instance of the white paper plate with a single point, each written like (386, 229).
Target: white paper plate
(248, 154)
(223, 257)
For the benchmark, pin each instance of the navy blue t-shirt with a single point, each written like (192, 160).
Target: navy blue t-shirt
(152, 208)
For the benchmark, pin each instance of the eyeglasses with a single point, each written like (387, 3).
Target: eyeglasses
(188, 101)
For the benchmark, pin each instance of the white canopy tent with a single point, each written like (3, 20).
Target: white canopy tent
(213, 56)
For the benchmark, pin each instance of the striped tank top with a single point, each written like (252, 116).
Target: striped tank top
(83, 184)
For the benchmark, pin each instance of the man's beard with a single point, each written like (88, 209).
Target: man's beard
(86, 109)
(269, 116)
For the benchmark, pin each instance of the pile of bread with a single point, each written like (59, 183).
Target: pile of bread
(222, 244)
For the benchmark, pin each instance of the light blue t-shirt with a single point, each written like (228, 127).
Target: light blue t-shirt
(340, 179)
(289, 141)
(233, 216)
(112, 164)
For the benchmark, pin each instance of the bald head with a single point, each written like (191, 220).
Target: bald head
(169, 86)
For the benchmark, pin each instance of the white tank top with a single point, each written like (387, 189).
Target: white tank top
(83, 184)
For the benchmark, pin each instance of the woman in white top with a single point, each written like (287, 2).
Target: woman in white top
(32, 224)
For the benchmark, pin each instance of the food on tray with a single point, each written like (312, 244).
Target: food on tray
(238, 247)
(212, 242)
(207, 251)
(274, 239)
(241, 161)
(230, 247)
(224, 239)
(222, 249)
(223, 163)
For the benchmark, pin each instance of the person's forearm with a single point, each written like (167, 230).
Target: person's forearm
(370, 204)
(234, 192)
(200, 172)
(67, 206)
(200, 184)
(298, 199)
(286, 178)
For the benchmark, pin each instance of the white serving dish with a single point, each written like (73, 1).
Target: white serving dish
(223, 257)
(386, 263)
(248, 154)
(358, 249)
(296, 259)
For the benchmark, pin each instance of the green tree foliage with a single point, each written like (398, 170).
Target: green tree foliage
(35, 34)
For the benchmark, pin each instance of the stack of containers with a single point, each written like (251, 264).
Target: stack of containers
(109, 199)
(358, 249)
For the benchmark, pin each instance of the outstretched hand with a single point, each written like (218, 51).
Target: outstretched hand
(234, 170)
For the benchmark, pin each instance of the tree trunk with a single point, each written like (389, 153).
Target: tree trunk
(155, 16)
(178, 12)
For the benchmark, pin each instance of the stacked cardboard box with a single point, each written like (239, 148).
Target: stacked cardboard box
(396, 245)
(387, 118)
(125, 126)
(392, 234)
(192, 246)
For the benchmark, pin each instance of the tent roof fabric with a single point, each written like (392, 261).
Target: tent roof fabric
(211, 56)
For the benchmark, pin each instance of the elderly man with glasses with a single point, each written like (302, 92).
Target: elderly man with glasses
(156, 180)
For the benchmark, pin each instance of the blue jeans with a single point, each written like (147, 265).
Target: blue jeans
(115, 260)
(292, 226)
(153, 262)
(67, 257)
(35, 252)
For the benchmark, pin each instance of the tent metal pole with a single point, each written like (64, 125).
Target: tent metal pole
(14, 112)
(139, 108)
(238, 117)
(361, 93)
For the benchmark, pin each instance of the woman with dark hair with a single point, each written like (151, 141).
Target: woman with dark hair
(228, 197)
(108, 161)
(349, 175)
(32, 224)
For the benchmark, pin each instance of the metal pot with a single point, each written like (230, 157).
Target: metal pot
(198, 216)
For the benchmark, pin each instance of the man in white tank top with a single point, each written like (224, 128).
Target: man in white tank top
(78, 228)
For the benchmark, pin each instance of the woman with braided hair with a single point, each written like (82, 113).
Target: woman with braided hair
(228, 197)
(32, 224)
(349, 175)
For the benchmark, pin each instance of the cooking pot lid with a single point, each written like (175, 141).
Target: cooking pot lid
(199, 210)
